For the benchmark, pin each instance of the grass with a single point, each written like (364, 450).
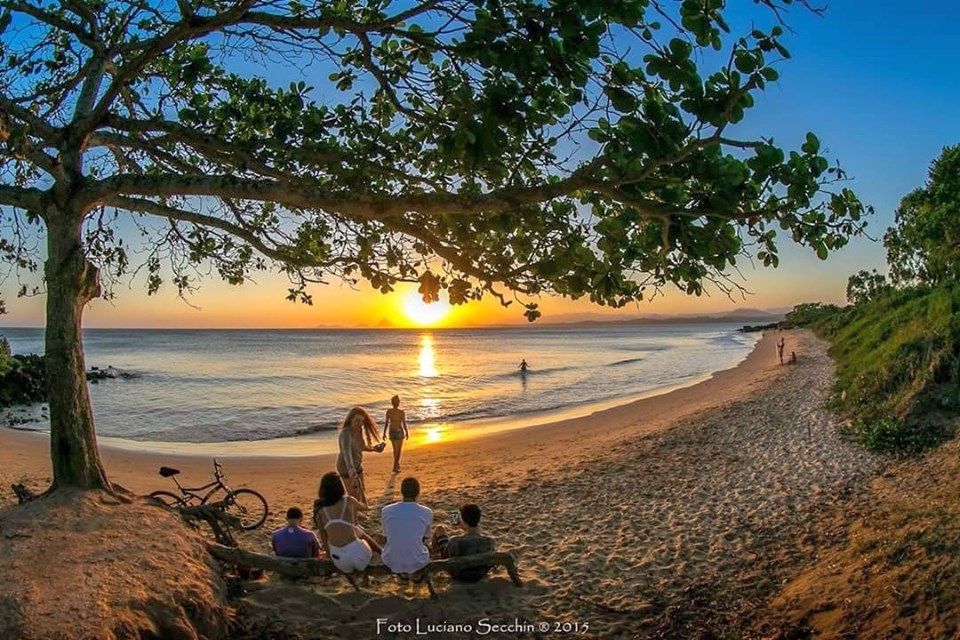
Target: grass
(898, 365)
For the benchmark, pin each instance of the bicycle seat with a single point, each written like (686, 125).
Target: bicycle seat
(167, 472)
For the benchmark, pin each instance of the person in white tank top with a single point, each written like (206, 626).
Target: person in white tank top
(335, 517)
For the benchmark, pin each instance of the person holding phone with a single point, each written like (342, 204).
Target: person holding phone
(357, 434)
(471, 542)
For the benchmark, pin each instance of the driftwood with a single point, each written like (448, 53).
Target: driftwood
(219, 520)
(215, 515)
(314, 567)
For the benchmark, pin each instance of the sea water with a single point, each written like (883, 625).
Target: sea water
(203, 386)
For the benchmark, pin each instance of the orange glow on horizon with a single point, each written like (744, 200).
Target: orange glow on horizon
(261, 305)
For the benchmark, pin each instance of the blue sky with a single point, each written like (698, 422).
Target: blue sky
(880, 84)
(877, 82)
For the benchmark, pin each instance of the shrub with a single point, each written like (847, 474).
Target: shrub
(24, 381)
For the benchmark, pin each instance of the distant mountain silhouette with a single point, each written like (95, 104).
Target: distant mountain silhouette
(385, 324)
(736, 315)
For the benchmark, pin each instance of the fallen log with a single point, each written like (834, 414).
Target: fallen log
(214, 514)
(317, 567)
(219, 520)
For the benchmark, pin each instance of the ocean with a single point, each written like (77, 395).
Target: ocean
(210, 386)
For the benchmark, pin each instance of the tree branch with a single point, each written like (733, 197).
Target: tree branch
(302, 194)
(286, 255)
(28, 199)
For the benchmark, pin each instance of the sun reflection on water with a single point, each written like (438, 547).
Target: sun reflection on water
(428, 368)
(433, 434)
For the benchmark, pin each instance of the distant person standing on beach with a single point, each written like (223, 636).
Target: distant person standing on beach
(396, 425)
(780, 346)
(357, 434)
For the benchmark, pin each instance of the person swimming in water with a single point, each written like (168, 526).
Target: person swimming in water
(396, 425)
(523, 366)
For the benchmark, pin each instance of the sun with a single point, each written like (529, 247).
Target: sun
(422, 314)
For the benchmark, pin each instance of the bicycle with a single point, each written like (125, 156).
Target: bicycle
(246, 504)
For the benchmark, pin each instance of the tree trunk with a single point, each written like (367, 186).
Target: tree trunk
(71, 283)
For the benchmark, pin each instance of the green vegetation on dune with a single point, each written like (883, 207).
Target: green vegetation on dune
(898, 364)
(6, 361)
(898, 367)
(897, 346)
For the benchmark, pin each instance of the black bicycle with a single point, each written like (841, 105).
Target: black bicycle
(246, 504)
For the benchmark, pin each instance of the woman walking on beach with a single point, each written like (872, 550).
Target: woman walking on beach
(396, 425)
(357, 434)
(335, 517)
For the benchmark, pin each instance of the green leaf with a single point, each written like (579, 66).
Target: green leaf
(812, 145)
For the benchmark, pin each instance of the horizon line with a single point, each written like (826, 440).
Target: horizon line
(653, 320)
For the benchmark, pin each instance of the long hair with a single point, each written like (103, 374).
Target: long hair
(330, 492)
(369, 425)
(331, 489)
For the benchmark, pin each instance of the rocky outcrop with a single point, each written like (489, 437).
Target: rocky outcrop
(96, 374)
(23, 380)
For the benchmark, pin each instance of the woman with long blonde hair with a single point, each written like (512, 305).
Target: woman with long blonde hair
(357, 434)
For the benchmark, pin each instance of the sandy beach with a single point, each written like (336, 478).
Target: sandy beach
(639, 519)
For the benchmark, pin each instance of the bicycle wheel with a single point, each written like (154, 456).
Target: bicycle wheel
(168, 499)
(249, 506)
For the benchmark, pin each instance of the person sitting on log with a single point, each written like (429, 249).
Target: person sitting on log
(406, 526)
(470, 543)
(335, 516)
(293, 541)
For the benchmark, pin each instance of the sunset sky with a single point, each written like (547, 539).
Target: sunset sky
(877, 82)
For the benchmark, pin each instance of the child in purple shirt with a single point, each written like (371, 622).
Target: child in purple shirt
(293, 541)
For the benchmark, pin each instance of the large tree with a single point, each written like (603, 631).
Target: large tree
(572, 147)
(923, 245)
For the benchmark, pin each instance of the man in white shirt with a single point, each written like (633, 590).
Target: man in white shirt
(406, 526)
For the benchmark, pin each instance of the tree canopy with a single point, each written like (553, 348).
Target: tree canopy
(923, 246)
(573, 147)
(864, 286)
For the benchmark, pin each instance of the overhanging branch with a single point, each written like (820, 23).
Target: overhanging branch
(27, 199)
